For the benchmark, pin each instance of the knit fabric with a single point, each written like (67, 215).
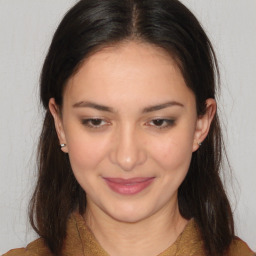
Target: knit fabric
(80, 241)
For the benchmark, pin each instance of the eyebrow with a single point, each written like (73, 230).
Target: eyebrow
(162, 106)
(89, 104)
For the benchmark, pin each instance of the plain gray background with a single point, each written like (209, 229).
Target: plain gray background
(26, 29)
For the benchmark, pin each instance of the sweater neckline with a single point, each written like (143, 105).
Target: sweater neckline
(91, 246)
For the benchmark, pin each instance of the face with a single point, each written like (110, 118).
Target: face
(130, 125)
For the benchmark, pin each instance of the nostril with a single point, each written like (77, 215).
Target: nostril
(128, 160)
(127, 151)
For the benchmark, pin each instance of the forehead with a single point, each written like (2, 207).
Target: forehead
(128, 70)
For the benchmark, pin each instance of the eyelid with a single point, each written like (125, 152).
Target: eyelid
(86, 122)
(103, 123)
(168, 122)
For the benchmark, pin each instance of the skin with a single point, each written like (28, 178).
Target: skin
(126, 141)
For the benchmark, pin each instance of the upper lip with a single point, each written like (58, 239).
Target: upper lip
(128, 181)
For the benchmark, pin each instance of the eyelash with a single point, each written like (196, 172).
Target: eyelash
(89, 123)
(167, 123)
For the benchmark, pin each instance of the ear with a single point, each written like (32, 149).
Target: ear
(203, 123)
(55, 111)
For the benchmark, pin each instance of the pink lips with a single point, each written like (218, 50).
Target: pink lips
(128, 186)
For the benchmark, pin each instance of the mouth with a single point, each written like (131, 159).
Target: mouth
(129, 186)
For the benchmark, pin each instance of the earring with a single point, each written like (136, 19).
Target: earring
(199, 144)
(63, 145)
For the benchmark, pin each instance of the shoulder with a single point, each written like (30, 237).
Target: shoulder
(239, 247)
(35, 248)
(39, 248)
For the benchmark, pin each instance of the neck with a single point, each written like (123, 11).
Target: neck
(149, 236)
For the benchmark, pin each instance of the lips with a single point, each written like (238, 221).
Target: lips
(128, 186)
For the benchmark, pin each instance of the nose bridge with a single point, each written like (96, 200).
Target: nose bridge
(129, 150)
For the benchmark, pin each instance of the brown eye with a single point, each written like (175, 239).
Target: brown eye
(161, 123)
(94, 122)
(158, 122)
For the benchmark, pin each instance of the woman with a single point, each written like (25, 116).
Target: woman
(130, 150)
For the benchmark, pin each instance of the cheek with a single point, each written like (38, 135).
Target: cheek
(85, 152)
(174, 151)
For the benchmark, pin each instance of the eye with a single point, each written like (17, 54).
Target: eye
(161, 123)
(95, 123)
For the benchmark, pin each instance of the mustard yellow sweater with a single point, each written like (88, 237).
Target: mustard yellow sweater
(81, 242)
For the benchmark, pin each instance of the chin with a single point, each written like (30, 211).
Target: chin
(129, 214)
(128, 218)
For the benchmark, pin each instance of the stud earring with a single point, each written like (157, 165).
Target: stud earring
(199, 144)
(63, 145)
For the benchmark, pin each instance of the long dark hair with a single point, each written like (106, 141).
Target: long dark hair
(89, 26)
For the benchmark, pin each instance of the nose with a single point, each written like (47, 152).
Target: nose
(128, 151)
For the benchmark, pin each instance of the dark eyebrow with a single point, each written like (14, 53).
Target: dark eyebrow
(162, 106)
(88, 104)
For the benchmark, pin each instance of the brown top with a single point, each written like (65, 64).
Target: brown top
(81, 242)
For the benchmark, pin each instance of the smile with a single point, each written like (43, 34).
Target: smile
(129, 186)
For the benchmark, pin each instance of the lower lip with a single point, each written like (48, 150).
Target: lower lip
(128, 188)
